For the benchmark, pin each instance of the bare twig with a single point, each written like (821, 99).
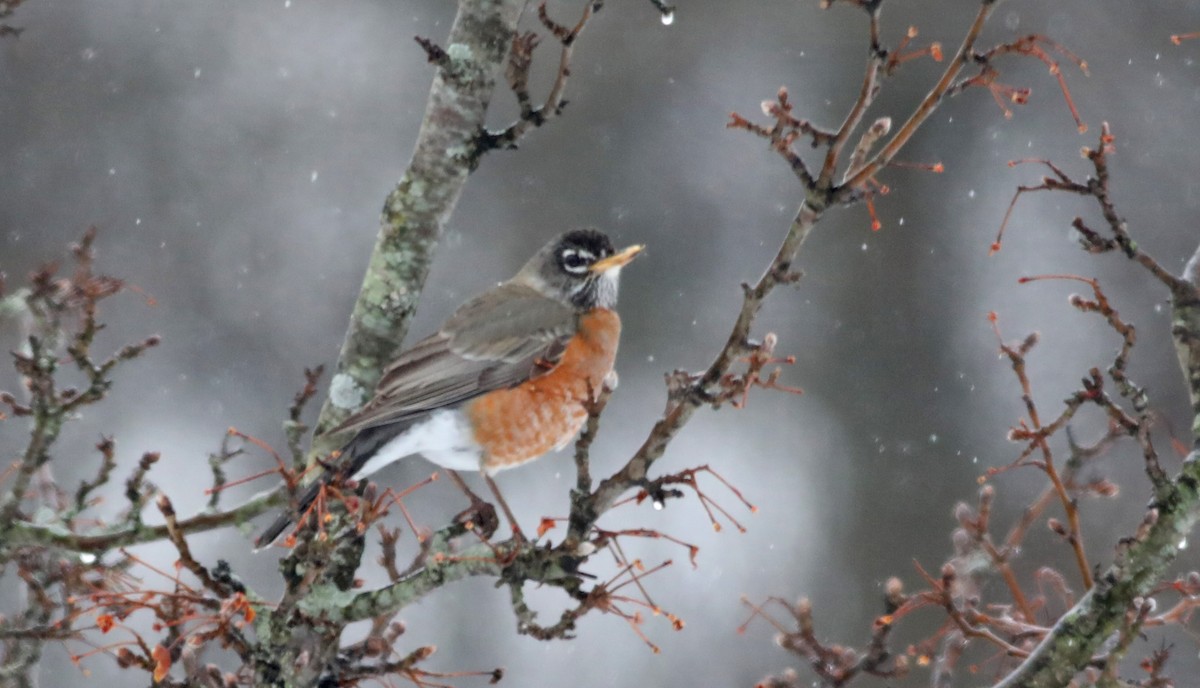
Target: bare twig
(517, 73)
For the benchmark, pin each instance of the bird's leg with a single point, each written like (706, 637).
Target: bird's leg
(480, 514)
(512, 520)
(462, 485)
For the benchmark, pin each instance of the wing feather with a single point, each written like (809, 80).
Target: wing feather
(496, 340)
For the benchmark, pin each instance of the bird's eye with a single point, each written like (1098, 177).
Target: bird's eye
(575, 261)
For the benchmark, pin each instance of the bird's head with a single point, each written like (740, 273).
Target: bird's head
(578, 267)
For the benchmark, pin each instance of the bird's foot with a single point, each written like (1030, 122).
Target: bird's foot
(479, 517)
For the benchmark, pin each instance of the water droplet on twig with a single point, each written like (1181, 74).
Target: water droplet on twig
(667, 11)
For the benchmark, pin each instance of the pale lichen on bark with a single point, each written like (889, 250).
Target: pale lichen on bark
(1185, 312)
(417, 209)
(1142, 563)
(23, 533)
(299, 639)
(347, 606)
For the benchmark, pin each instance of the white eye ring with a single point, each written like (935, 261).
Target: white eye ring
(576, 261)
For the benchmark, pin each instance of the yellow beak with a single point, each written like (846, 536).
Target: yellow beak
(617, 259)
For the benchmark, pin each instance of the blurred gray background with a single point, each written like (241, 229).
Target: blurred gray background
(235, 155)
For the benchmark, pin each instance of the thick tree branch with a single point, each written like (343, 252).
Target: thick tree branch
(1071, 644)
(22, 533)
(1185, 327)
(1176, 508)
(687, 392)
(697, 390)
(417, 209)
(414, 215)
(348, 606)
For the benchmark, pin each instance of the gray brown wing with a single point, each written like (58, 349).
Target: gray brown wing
(494, 341)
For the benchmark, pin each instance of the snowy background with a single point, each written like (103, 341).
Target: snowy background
(235, 154)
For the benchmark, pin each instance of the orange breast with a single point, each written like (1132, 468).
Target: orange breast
(519, 424)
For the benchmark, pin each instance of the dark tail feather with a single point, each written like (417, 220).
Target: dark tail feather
(353, 456)
(286, 518)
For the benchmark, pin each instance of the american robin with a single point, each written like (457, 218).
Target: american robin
(503, 381)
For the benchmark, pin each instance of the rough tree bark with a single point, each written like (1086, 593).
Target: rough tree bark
(1140, 565)
(414, 215)
(416, 210)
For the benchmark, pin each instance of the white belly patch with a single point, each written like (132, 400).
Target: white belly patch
(444, 438)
